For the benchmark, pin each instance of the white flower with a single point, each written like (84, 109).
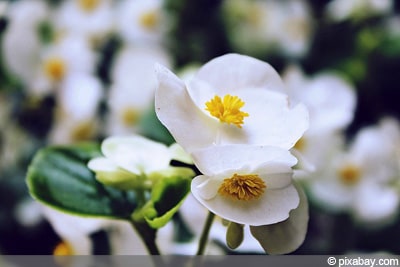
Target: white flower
(339, 10)
(66, 56)
(141, 21)
(331, 100)
(21, 42)
(361, 180)
(131, 162)
(92, 19)
(246, 184)
(232, 99)
(133, 85)
(331, 103)
(78, 100)
(252, 26)
(73, 230)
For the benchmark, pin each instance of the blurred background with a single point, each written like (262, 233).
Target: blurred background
(79, 70)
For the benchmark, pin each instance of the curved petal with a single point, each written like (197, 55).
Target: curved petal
(272, 207)
(136, 153)
(277, 180)
(190, 127)
(285, 237)
(376, 204)
(218, 159)
(179, 154)
(232, 72)
(102, 164)
(271, 122)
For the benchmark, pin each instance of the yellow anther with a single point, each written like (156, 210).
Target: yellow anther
(55, 68)
(242, 187)
(88, 5)
(130, 116)
(349, 174)
(227, 109)
(149, 19)
(83, 131)
(63, 249)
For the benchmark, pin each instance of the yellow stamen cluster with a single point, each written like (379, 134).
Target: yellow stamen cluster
(349, 174)
(242, 187)
(149, 20)
(55, 68)
(83, 131)
(130, 116)
(88, 5)
(227, 109)
(63, 249)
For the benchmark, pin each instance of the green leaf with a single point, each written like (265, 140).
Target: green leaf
(59, 177)
(166, 198)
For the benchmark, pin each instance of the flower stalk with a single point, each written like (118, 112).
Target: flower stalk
(204, 235)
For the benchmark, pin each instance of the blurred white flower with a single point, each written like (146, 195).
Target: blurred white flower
(331, 102)
(134, 162)
(252, 26)
(68, 55)
(141, 21)
(92, 19)
(133, 85)
(21, 42)
(75, 232)
(246, 184)
(78, 100)
(361, 180)
(233, 99)
(330, 99)
(339, 10)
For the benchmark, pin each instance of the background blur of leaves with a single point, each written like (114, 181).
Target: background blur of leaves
(359, 50)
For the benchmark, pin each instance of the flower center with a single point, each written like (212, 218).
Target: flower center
(55, 68)
(63, 249)
(88, 5)
(227, 109)
(349, 174)
(242, 187)
(130, 116)
(149, 19)
(83, 131)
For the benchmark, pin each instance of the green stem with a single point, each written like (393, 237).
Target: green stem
(148, 235)
(205, 233)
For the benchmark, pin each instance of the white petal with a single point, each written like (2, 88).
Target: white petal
(271, 121)
(272, 207)
(102, 164)
(375, 204)
(205, 186)
(179, 154)
(136, 154)
(190, 127)
(285, 237)
(277, 180)
(218, 159)
(235, 72)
